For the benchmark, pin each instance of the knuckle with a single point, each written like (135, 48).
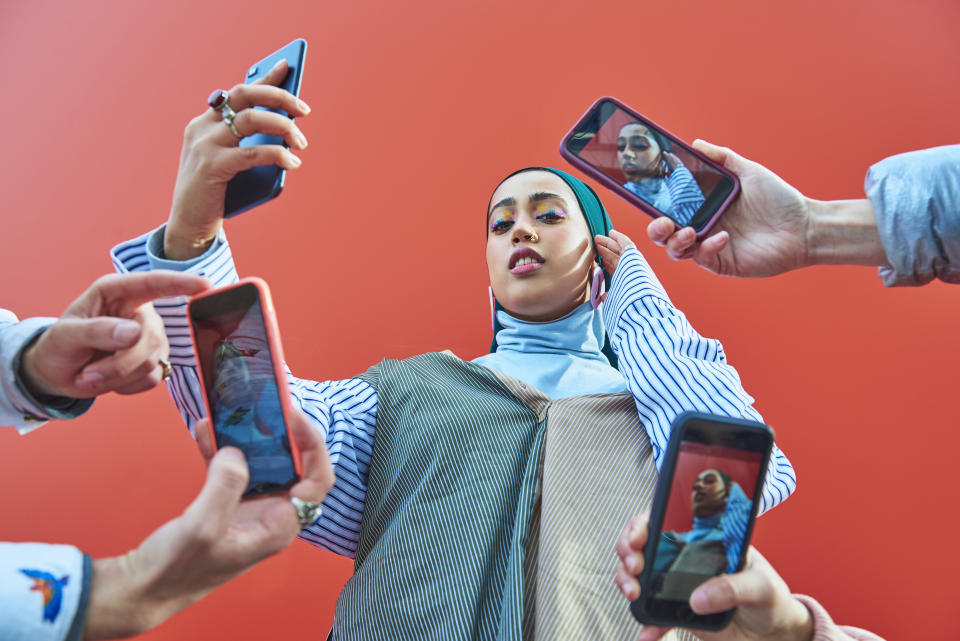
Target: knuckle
(192, 131)
(244, 120)
(238, 90)
(234, 474)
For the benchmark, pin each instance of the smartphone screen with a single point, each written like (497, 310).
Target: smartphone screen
(241, 385)
(648, 166)
(257, 185)
(710, 493)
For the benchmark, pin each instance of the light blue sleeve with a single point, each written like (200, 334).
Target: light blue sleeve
(18, 408)
(345, 412)
(916, 198)
(43, 592)
(670, 368)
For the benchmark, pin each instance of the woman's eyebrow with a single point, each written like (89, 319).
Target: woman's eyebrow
(506, 202)
(545, 195)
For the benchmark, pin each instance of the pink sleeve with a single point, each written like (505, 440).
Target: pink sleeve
(824, 629)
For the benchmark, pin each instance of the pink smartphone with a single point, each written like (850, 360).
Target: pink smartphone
(648, 166)
(244, 382)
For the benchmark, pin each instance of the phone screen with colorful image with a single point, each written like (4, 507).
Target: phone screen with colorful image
(240, 381)
(648, 166)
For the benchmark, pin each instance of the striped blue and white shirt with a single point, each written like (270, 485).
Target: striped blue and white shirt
(678, 195)
(667, 366)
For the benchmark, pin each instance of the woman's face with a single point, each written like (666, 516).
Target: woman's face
(709, 496)
(539, 251)
(637, 152)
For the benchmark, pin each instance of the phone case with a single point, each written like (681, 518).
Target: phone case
(624, 193)
(272, 332)
(258, 185)
(658, 513)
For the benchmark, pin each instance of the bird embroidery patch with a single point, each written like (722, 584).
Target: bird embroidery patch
(51, 588)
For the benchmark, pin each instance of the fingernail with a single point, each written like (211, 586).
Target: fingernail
(89, 379)
(126, 331)
(304, 107)
(293, 159)
(301, 139)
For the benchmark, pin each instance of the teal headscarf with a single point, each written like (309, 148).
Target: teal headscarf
(597, 220)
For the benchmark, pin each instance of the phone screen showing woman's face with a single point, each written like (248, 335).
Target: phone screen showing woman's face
(646, 163)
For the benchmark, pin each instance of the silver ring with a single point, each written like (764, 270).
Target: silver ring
(167, 369)
(307, 511)
(228, 114)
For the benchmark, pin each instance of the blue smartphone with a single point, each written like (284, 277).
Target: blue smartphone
(256, 186)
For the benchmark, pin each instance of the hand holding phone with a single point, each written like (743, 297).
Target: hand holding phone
(763, 605)
(257, 185)
(244, 383)
(213, 155)
(702, 515)
(648, 166)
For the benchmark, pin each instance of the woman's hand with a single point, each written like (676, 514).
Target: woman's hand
(672, 161)
(211, 157)
(611, 247)
(765, 607)
(764, 232)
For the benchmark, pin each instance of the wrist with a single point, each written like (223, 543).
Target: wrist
(843, 232)
(184, 244)
(35, 383)
(799, 625)
(116, 608)
(128, 596)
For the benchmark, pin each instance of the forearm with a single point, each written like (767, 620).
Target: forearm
(844, 232)
(670, 368)
(216, 264)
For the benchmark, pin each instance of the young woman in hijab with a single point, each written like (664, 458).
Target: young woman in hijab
(655, 174)
(480, 499)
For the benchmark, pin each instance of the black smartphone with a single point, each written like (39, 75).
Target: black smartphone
(702, 515)
(648, 166)
(257, 185)
(240, 359)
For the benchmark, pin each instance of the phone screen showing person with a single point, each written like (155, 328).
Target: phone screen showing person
(648, 166)
(241, 386)
(703, 513)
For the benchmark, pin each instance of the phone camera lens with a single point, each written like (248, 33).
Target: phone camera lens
(252, 72)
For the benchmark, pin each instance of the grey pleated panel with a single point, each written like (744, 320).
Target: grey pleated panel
(446, 537)
(598, 472)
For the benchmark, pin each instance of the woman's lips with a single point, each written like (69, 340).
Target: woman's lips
(525, 261)
(526, 268)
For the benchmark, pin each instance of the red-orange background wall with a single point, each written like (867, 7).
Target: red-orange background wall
(375, 248)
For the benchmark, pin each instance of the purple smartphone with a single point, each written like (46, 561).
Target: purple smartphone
(648, 166)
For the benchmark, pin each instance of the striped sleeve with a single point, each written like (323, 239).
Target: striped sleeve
(670, 368)
(345, 412)
(685, 194)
